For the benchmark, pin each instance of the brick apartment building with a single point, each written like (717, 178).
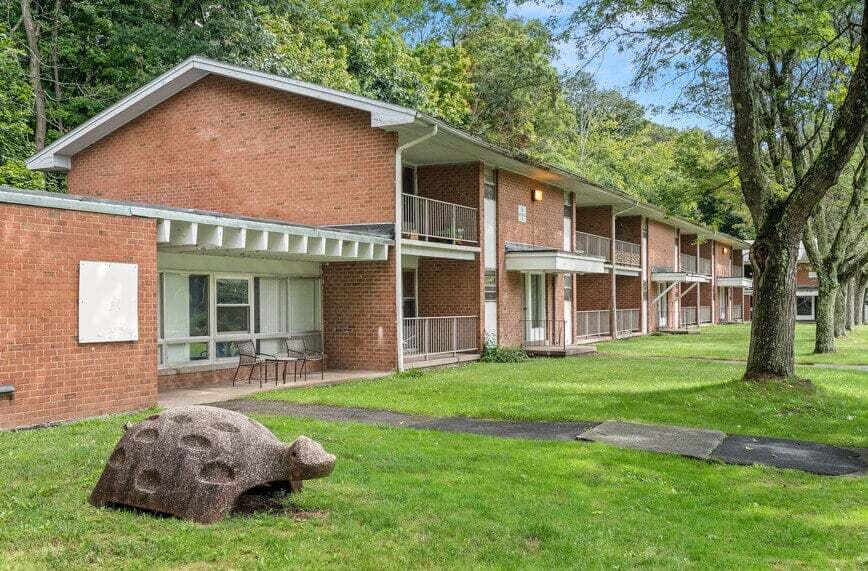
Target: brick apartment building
(217, 204)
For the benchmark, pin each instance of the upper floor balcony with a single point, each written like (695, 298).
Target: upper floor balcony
(432, 220)
(626, 253)
(693, 265)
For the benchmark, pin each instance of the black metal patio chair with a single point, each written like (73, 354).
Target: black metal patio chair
(248, 356)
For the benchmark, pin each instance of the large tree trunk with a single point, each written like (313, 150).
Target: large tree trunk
(825, 338)
(851, 302)
(32, 31)
(773, 320)
(860, 299)
(841, 311)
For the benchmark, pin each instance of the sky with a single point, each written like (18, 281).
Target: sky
(614, 70)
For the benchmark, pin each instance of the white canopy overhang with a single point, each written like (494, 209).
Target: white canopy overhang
(735, 282)
(553, 261)
(182, 230)
(679, 277)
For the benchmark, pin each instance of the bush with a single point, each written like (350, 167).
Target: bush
(494, 353)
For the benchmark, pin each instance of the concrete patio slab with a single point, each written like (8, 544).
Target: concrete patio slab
(806, 456)
(225, 391)
(668, 439)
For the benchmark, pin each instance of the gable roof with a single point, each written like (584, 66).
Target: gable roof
(56, 156)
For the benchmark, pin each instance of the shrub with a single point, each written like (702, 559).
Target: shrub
(494, 353)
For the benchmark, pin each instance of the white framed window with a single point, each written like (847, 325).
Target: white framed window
(202, 315)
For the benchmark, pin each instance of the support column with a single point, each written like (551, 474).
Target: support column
(614, 315)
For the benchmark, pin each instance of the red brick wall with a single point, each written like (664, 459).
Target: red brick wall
(448, 287)
(544, 227)
(229, 146)
(593, 292)
(224, 376)
(359, 314)
(57, 378)
(802, 279)
(628, 291)
(629, 229)
(453, 183)
(688, 244)
(594, 220)
(723, 260)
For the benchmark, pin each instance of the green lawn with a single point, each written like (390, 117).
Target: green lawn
(667, 391)
(732, 342)
(402, 498)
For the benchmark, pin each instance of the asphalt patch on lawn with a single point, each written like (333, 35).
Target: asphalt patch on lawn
(712, 445)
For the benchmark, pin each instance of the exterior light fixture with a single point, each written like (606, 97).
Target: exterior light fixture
(725, 250)
(537, 195)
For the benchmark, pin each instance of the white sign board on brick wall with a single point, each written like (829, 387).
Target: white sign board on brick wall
(108, 302)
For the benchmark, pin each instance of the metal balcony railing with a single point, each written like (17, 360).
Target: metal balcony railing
(737, 313)
(688, 316)
(688, 263)
(430, 219)
(705, 314)
(629, 321)
(737, 271)
(593, 245)
(705, 266)
(426, 337)
(591, 324)
(628, 253)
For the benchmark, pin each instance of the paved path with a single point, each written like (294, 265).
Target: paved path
(691, 442)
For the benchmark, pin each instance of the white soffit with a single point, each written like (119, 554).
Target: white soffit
(553, 262)
(436, 250)
(56, 157)
(679, 277)
(735, 282)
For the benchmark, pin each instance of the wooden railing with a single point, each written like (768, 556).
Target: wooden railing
(425, 337)
(430, 219)
(591, 324)
(593, 245)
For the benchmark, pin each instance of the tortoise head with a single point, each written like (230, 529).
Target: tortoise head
(309, 460)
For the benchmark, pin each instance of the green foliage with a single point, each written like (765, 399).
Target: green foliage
(494, 353)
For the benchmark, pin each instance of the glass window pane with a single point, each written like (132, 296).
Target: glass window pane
(226, 349)
(177, 353)
(804, 305)
(232, 291)
(233, 319)
(272, 346)
(271, 305)
(198, 306)
(304, 305)
(185, 305)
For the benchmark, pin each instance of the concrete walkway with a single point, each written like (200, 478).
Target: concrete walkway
(225, 391)
(690, 442)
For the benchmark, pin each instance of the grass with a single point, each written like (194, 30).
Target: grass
(402, 498)
(666, 391)
(732, 341)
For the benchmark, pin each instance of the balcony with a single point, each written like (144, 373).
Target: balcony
(433, 220)
(705, 266)
(737, 313)
(626, 253)
(593, 324)
(629, 321)
(593, 245)
(705, 314)
(548, 338)
(688, 263)
(431, 337)
(688, 316)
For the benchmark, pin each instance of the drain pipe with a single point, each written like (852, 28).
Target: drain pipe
(399, 221)
(613, 319)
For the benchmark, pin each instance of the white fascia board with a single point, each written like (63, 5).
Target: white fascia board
(735, 282)
(679, 277)
(807, 292)
(621, 270)
(56, 156)
(435, 250)
(553, 262)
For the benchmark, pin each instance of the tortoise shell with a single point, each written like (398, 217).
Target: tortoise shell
(195, 462)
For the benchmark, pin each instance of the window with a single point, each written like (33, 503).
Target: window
(568, 287)
(203, 316)
(490, 285)
(805, 306)
(522, 213)
(490, 183)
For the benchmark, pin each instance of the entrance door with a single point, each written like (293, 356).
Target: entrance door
(662, 306)
(568, 308)
(723, 302)
(535, 304)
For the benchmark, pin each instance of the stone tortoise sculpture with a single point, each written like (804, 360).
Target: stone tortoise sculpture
(195, 462)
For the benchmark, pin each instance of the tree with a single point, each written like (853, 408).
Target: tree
(794, 80)
(832, 233)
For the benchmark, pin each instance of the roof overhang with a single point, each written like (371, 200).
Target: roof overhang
(807, 292)
(735, 282)
(181, 230)
(57, 156)
(553, 261)
(680, 277)
(621, 270)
